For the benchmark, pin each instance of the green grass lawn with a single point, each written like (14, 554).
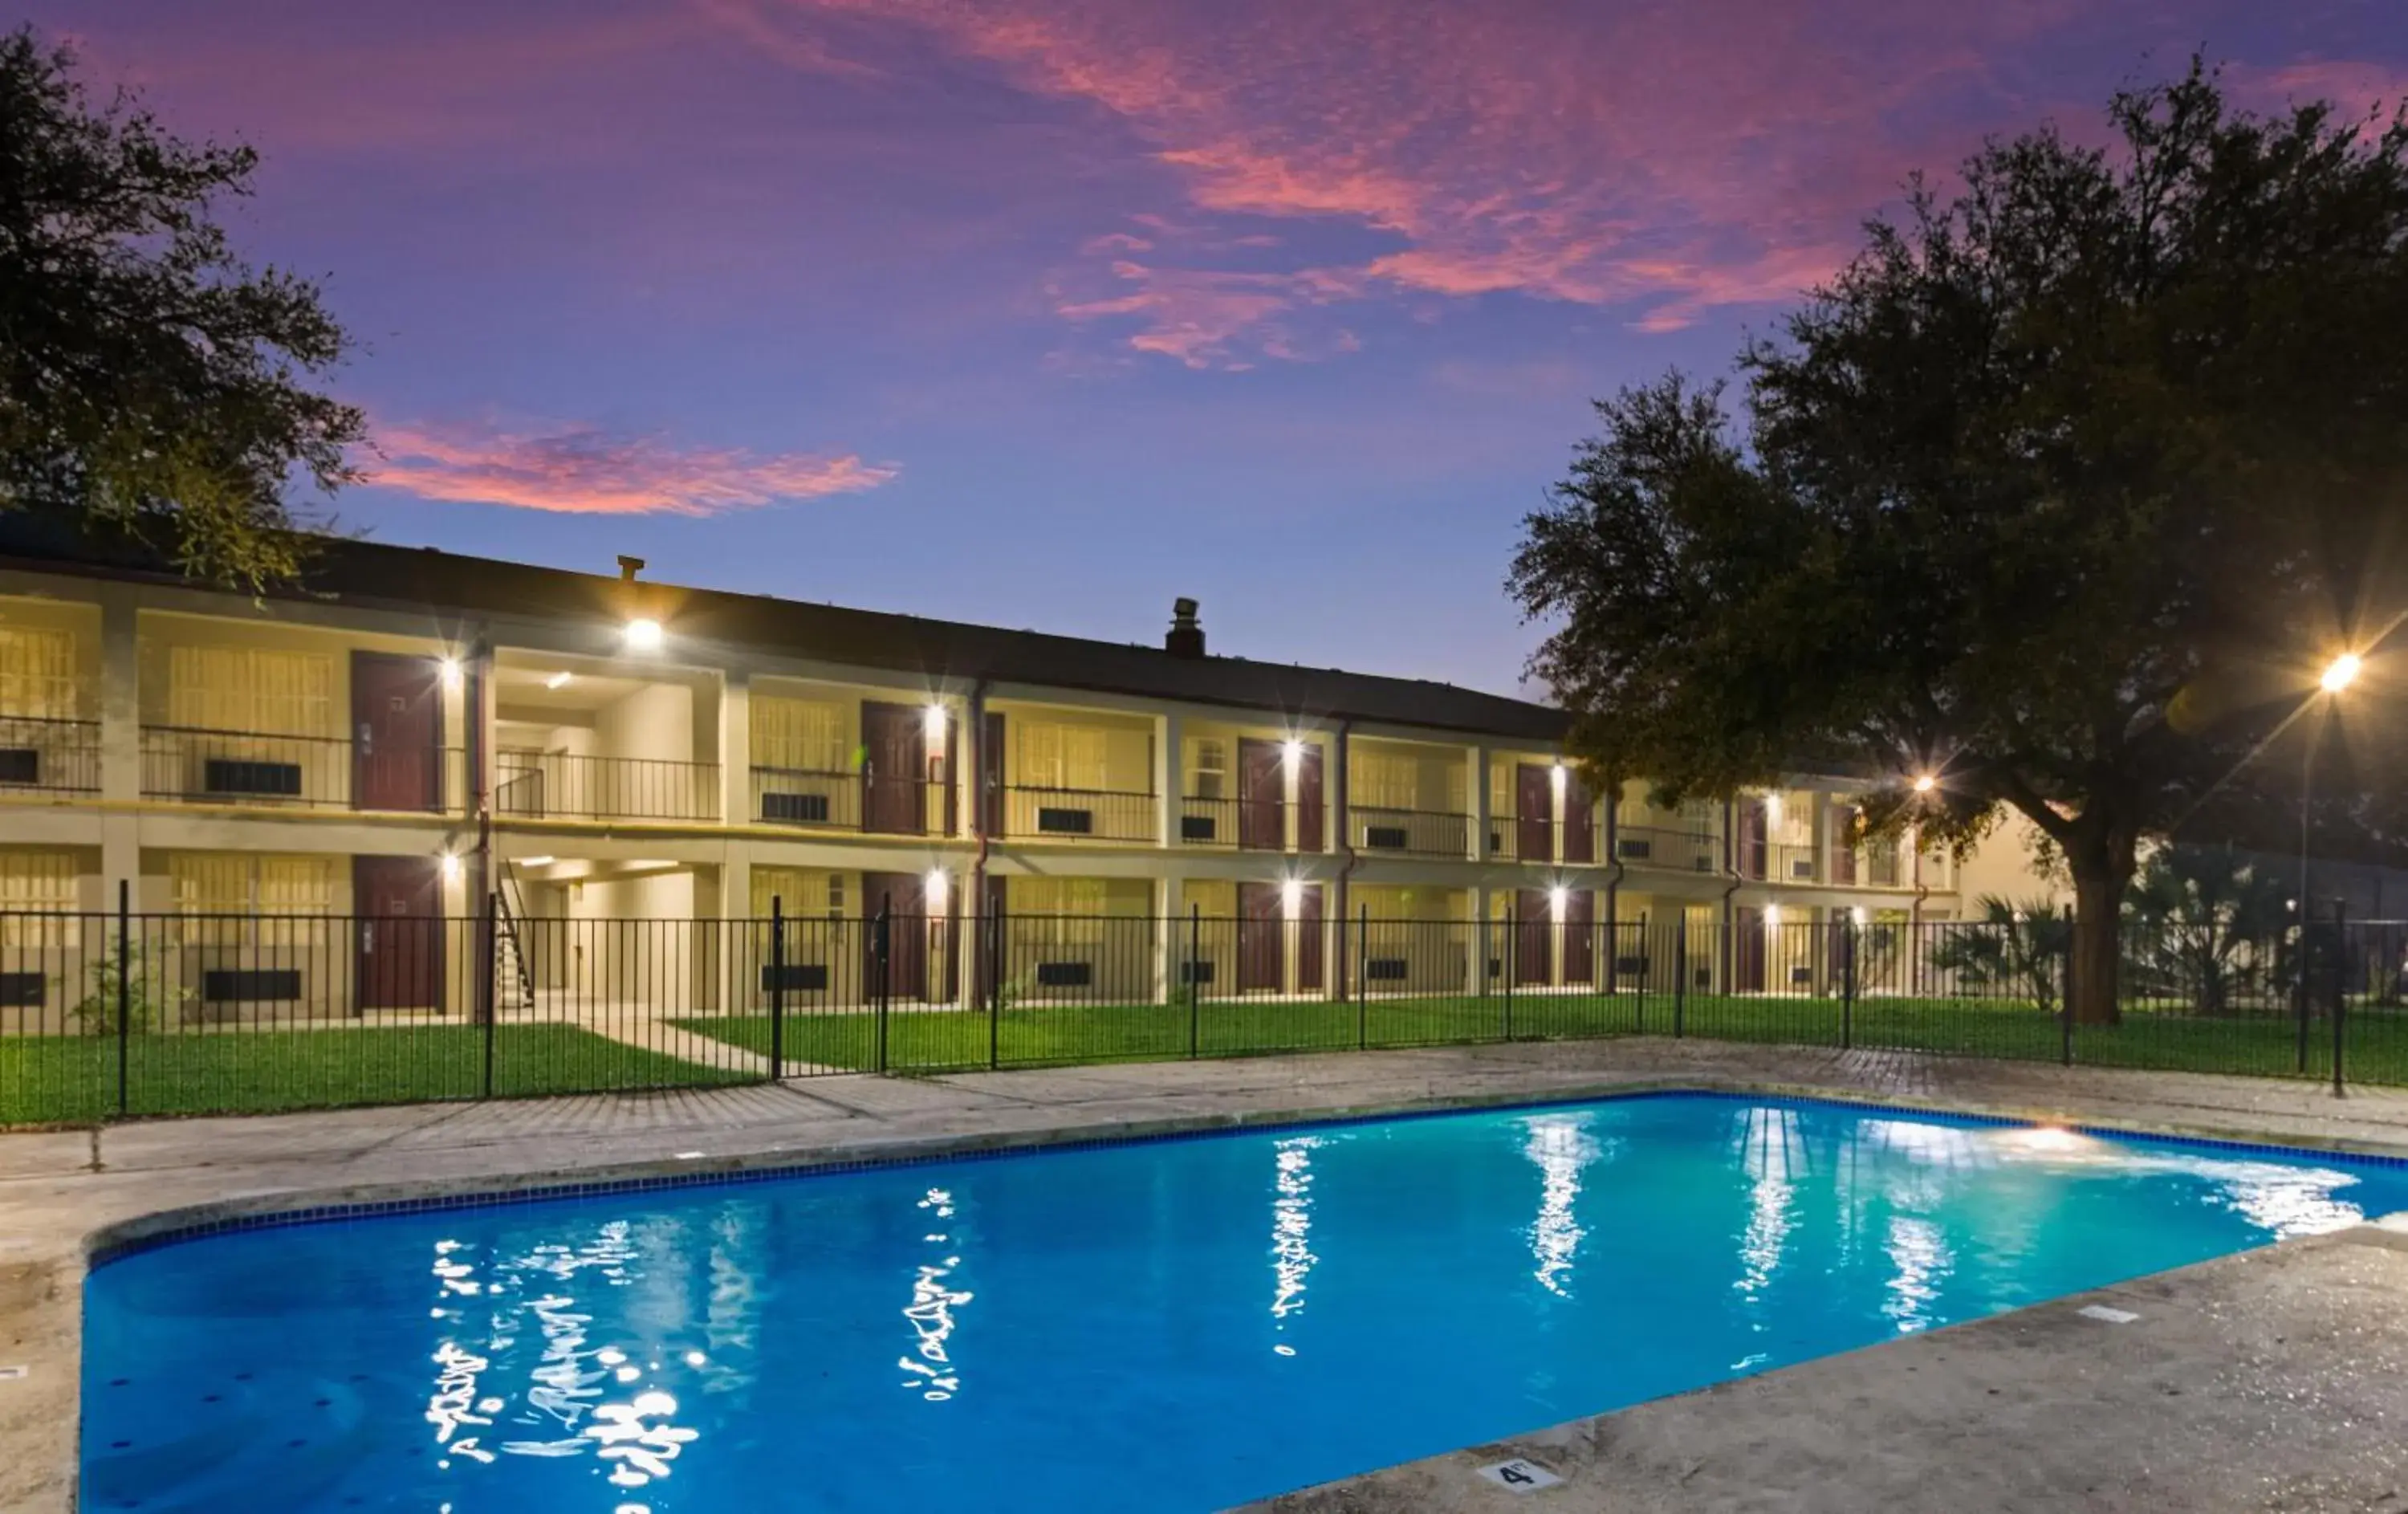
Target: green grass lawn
(933, 1040)
(62, 1079)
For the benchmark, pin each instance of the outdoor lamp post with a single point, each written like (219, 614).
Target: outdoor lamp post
(2338, 676)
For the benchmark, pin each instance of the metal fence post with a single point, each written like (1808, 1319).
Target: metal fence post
(1847, 982)
(124, 988)
(1513, 959)
(485, 971)
(2300, 969)
(1363, 979)
(1680, 972)
(1195, 977)
(777, 987)
(993, 921)
(883, 949)
(2341, 986)
(2065, 990)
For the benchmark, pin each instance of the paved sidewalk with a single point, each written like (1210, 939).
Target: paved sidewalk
(57, 1188)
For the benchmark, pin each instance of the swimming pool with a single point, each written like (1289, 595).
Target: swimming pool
(1177, 1324)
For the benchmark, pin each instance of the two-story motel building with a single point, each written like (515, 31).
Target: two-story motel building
(412, 733)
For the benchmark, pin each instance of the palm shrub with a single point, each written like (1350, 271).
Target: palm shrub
(2206, 928)
(2011, 949)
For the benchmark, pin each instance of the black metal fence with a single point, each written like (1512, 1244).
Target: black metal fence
(104, 1016)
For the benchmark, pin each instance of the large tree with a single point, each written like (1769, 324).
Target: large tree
(153, 387)
(2061, 492)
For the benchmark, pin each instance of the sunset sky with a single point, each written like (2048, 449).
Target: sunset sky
(1041, 312)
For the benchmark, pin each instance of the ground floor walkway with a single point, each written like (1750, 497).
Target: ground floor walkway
(2104, 1403)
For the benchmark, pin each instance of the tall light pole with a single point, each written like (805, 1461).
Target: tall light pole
(2338, 676)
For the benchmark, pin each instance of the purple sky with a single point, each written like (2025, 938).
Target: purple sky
(1041, 312)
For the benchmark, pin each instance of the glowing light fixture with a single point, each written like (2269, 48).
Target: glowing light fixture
(1856, 914)
(1924, 782)
(1771, 915)
(1557, 895)
(537, 861)
(933, 722)
(2341, 672)
(451, 868)
(1294, 750)
(937, 885)
(560, 679)
(643, 636)
(1773, 808)
(450, 666)
(1292, 896)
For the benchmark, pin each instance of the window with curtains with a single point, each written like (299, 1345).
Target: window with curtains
(799, 735)
(230, 895)
(800, 893)
(1054, 756)
(39, 892)
(1386, 781)
(1049, 913)
(37, 673)
(1208, 766)
(263, 691)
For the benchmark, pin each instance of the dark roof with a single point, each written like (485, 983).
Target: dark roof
(372, 575)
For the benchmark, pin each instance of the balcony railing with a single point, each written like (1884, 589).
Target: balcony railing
(1777, 862)
(1381, 832)
(58, 756)
(322, 772)
(1653, 846)
(560, 785)
(1033, 813)
(1255, 825)
(824, 801)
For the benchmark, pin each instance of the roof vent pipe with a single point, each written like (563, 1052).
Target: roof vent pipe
(629, 567)
(1186, 638)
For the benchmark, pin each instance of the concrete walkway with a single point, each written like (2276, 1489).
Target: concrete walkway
(56, 1189)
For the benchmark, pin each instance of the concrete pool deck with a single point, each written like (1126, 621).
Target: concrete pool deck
(2273, 1380)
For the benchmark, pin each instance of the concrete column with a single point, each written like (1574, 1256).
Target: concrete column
(1475, 760)
(1484, 939)
(736, 759)
(120, 745)
(1167, 940)
(1169, 778)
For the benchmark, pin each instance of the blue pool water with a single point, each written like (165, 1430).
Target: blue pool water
(1172, 1325)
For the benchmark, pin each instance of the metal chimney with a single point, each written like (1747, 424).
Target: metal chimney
(1186, 637)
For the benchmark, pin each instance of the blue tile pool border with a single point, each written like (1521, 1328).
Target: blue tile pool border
(108, 1248)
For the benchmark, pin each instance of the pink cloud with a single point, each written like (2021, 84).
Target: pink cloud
(1677, 158)
(585, 470)
(2357, 88)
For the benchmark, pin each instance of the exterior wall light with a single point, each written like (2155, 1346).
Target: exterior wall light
(537, 861)
(2341, 672)
(1292, 897)
(451, 669)
(933, 722)
(643, 636)
(1856, 914)
(560, 679)
(938, 886)
(451, 867)
(1294, 750)
(1771, 916)
(1924, 782)
(1558, 894)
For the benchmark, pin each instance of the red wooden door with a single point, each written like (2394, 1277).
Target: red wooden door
(1844, 855)
(1580, 822)
(1752, 851)
(893, 770)
(396, 732)
(1261, 959)
(1309, 819)
(1747, 952)
(1534, 810)
(1262, 796)
(991, 776)
(1307, 927)
(1579, 936)
(1533, 920)
(398, 953)
(903, 896)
